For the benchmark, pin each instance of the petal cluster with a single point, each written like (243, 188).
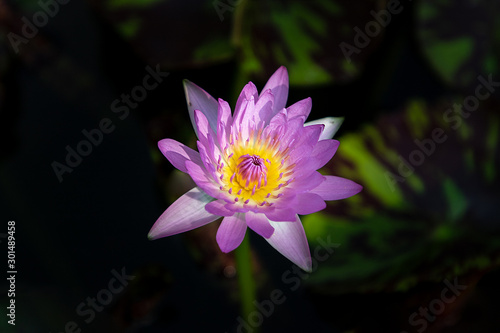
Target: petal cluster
(257, 168)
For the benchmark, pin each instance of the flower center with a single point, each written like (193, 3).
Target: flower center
(254, 171)
(251, 171)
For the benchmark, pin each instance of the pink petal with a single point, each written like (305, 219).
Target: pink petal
(306, 182)
(178, 153)
(305, 141)
(324, 151)
(207, 146)
(199, 99)
(290, 240)
(203, 127)
(300, 109)
(202, 179)
(311, 134)
(236, 208)
(246, 117)
(259, 223)
(278, 84)
(249, 90)
(210, 153)
(231, 232)
(224, 122)
(335, 188)
(308, 203)
(209, 161)
(279, 119)
(264, 106)
(186, 213)
(331, 126)
(294, 128)
(285, 214)
(217, 207)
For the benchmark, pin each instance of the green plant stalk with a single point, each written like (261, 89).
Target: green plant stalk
(242, 252)
(245, 277)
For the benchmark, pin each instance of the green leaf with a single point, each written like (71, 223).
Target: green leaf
(449, 56)
(423, 214)
(459, 39)
(305, 36)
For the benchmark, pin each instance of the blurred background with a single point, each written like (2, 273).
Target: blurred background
(87, 88)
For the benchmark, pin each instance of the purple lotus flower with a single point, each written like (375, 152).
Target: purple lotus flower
(256, 168)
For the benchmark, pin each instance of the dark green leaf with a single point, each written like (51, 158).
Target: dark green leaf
(306, 37)
(460, 39)
(429, 204)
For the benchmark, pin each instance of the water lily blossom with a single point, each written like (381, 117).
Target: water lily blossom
(256, 168)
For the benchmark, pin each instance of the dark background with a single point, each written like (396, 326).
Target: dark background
(71, 235)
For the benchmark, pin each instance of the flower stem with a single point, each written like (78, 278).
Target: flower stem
(245, 277)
